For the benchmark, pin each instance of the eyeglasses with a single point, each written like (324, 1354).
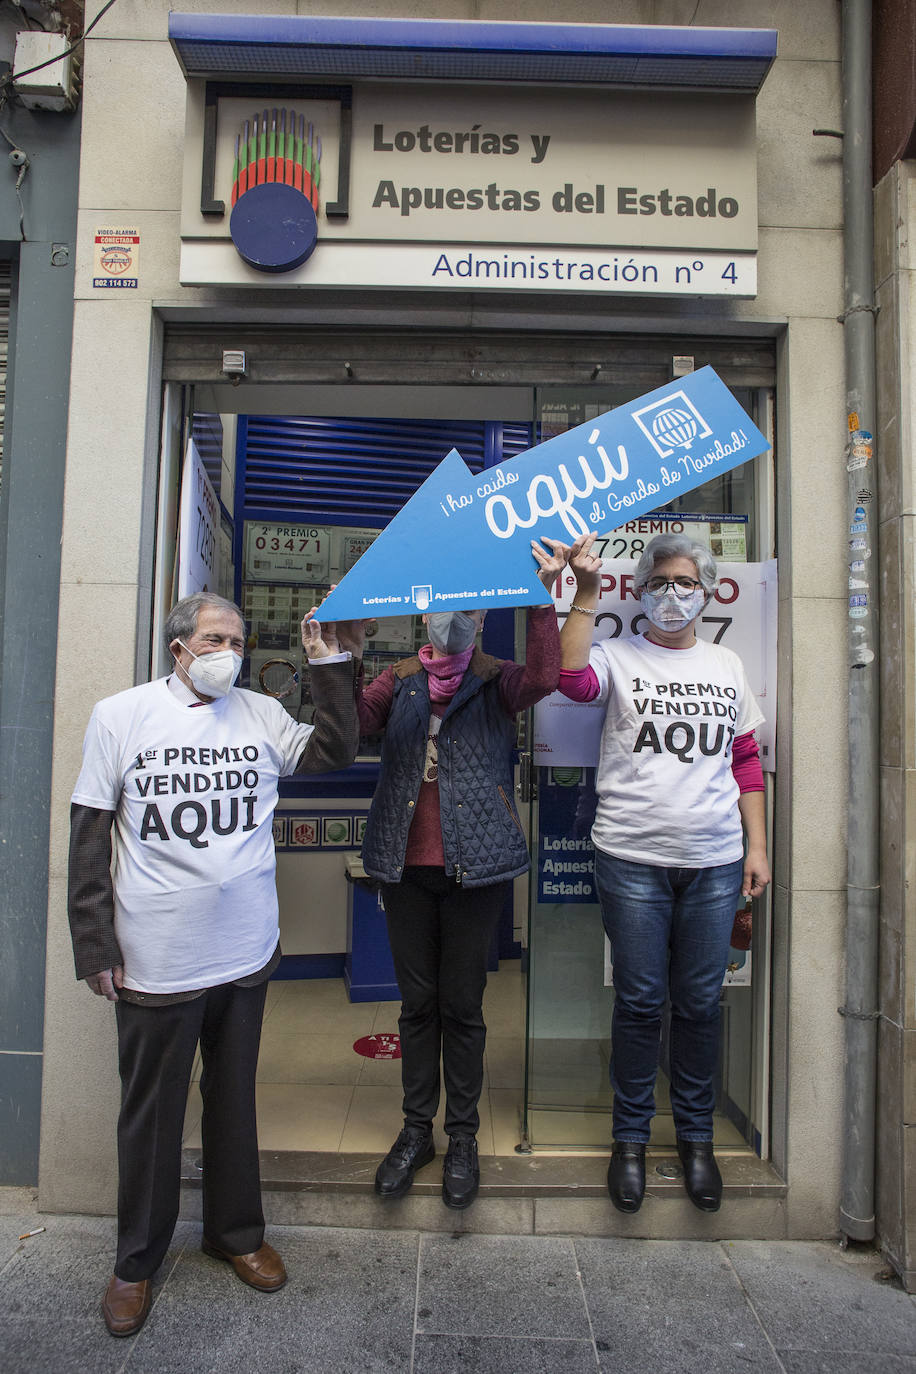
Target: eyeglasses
(683, 587)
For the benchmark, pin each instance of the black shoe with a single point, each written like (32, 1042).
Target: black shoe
(412, 1149)
(701, 1174)
(626, 1175)
(460, 1172)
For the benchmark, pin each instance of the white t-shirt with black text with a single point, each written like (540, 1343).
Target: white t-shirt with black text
(666, 792)
(194, 789)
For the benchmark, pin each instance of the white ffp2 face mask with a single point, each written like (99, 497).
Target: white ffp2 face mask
(214, 675)
(669, 612)
(451, 632)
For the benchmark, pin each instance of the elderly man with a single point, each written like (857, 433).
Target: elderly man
(184, 935)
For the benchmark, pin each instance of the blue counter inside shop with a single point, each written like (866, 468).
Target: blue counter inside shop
(368, 967)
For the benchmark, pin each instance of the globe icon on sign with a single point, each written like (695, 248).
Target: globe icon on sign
(675, 427)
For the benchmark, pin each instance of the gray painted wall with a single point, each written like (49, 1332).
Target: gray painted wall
(31, 503)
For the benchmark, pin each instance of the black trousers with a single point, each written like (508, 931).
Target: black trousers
(156, 1047)
(440, 935)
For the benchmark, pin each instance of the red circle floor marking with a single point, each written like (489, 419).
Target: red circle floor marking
(379, 1046)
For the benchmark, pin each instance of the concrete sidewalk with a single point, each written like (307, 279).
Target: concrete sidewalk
(404, 1302)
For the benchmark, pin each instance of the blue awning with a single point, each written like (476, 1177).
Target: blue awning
(303, 48)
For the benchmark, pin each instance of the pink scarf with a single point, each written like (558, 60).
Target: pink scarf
(445, 673)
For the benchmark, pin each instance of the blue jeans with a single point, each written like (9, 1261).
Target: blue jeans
(669, 930)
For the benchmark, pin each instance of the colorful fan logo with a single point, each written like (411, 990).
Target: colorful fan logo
(275, 182)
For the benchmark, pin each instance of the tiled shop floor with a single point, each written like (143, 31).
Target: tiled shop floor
(315, 1092)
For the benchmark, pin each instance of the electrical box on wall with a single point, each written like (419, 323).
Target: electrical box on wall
(53, 87)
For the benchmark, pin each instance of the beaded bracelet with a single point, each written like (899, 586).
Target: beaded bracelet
(584, 610)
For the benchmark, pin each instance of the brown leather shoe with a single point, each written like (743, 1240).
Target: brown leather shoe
(125, 1306)
(262, 1269)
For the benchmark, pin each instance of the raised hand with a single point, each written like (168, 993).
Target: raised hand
(585, 564)
(551, 563)
(320, 640)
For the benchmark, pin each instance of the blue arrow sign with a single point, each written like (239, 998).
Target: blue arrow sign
(464, 541)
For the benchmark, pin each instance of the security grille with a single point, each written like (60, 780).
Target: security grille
(316, 468)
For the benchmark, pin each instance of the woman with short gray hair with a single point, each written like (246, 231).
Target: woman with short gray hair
(676, 546)
(679, 788)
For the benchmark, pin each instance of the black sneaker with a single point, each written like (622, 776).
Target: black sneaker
(412, 1149)
(460, 1172)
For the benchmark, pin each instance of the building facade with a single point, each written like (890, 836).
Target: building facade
(354, 331)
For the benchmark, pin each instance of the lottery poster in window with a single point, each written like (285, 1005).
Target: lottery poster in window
(287, 553)
(198, 528)
(353, 547)
(724, 535)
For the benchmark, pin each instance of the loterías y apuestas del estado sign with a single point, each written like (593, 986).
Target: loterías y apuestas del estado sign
(471, 187)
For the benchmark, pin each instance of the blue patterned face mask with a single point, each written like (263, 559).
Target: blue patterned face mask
(451, 632)
(671, 612)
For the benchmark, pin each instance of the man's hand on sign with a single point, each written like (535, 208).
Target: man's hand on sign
(585, 564)
(552, 563)
(334, 637)
(318, 641)
(104, 984)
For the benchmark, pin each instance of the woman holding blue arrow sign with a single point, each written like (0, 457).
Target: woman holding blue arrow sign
(679, 789)
(444, 839)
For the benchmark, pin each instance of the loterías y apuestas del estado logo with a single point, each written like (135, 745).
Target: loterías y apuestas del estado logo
(275, 179)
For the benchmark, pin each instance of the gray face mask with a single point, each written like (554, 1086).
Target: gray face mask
(451, 632)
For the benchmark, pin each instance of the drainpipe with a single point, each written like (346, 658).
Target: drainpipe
(857, 1208)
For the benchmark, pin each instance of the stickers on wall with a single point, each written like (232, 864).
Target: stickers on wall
(860, 649)
(858, 450)
(116, 257)
(331, 830)
(335, 831)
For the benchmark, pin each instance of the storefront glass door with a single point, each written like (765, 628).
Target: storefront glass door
(562, 1089)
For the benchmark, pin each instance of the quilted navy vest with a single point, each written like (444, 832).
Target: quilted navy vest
(482, 836)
